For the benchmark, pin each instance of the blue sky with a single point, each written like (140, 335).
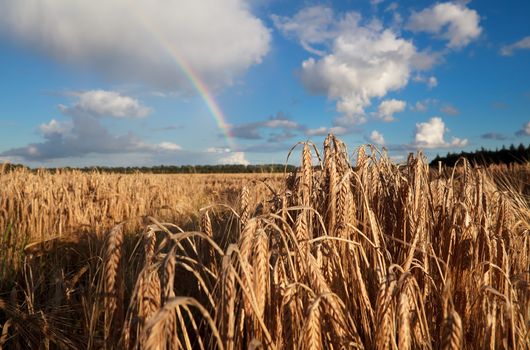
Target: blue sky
(108, 82)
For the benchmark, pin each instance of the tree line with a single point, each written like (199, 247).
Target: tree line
(512, 154)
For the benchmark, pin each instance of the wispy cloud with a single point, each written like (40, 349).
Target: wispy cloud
(525, 131)
(431, 81)
(323, 131)
(523, 44)
(423, 105)
(167, 128)
(449, 109)
(254, 130)
(494, 136)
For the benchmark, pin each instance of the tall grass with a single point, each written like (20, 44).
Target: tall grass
(367, 255)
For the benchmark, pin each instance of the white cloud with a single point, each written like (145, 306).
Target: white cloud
(522, 44)
(169, 146)
(458, 142)
(143, 41)
(364, 64)
(104, 103)
(217, 150)
(431, 135)
(360, 61)
(227, 156)
(376, 137)
(234, 158)
(388, 108)
(450, 21)
(55, 127)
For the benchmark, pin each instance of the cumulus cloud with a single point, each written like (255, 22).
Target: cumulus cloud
(102, 103)
(525, 131)
(376, 137)
(523, 44)
(388, 108)
(359, 60)
(364, 64)
(253, 131)
(86, 136)
(227, 156)
(83, 134)
(450, 110)
(233, 158)
(143, 41)
(431, 134)
(451, 21)
(55, 127)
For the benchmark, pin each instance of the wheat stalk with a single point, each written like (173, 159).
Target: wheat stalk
(111, 276)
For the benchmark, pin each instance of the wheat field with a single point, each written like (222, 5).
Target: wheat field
(351, 251)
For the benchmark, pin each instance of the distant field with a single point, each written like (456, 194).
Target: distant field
(363, 254)
(43, 205)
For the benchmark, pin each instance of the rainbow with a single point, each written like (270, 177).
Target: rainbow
(192, 76)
